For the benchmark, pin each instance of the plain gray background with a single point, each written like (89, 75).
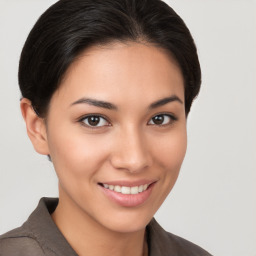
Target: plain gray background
(214, 201)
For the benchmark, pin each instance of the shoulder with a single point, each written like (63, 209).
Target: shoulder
(19, 242)
(38, 236)
(164, 243)
(186, 247)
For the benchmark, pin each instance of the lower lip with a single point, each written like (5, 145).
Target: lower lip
(128, 200)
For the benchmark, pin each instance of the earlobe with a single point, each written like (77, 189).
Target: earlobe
(36, 127)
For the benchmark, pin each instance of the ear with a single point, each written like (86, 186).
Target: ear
(36, 127)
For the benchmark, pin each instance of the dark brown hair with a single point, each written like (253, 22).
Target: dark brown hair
(70, 26)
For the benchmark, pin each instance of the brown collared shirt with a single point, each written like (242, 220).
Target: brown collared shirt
(39, 236)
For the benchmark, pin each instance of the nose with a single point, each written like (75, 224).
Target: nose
(131, 152)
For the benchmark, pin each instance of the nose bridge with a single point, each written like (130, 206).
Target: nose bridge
(131, 151)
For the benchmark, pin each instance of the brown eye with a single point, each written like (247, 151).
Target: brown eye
(95, 121)
(158, 119)
(162, 119)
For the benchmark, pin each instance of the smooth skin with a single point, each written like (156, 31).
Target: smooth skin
(135, 136)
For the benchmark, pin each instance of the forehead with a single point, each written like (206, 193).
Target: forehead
(132, 71)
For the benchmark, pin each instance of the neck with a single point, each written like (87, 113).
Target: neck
(88, 237)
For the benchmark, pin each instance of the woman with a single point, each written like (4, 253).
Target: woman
(106, 89)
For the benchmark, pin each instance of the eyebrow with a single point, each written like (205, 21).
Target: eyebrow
(96, 103)
(164, 101)
(108, 105)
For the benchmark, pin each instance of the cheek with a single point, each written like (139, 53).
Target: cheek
(169, 156)
(171, 151)
(76, 155)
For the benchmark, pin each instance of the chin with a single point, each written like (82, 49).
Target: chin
(124, 222)
(126, 226)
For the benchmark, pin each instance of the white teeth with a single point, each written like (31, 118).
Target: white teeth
(117, 189)
(127, 190)
(134, 190)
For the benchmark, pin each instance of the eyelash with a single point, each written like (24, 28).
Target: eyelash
(82, 121)
(172, 119)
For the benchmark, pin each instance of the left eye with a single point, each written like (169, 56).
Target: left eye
(161, 119)
(95, 121)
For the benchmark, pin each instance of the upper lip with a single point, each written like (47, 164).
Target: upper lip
(127, 183)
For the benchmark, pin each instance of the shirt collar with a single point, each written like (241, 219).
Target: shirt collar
(50, 238)
(45, 230)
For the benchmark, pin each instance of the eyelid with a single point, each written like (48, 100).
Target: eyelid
(81, 120)
(170, 115)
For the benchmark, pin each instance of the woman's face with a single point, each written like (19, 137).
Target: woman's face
(116, 134)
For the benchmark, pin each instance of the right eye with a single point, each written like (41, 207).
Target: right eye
(94, 121)
(162, 120)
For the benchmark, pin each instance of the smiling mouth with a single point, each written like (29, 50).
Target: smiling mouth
(126, 190)
(127, 194)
